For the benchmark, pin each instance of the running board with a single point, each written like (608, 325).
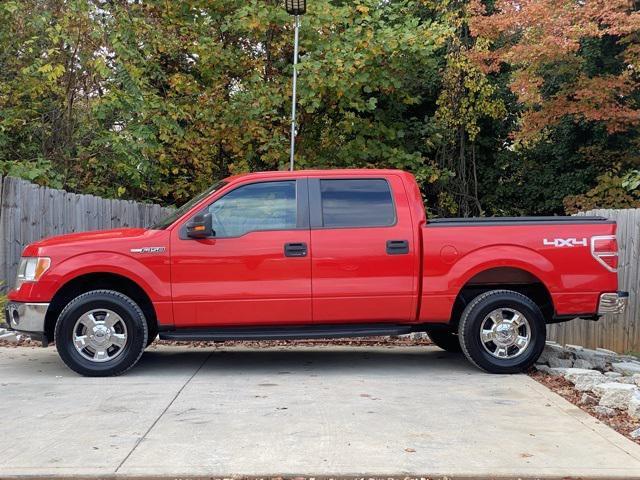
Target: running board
(287, 333)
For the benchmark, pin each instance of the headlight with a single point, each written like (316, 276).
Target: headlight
(31, 269)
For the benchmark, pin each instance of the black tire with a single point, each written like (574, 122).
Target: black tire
(475, 314)
(446, 340)
(130, 314)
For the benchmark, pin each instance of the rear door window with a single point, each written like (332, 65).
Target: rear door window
(357, 203)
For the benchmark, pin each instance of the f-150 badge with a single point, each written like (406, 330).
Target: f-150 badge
(148, 250)
(565, 242)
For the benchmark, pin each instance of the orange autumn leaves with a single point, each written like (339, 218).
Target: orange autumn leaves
(541, 43)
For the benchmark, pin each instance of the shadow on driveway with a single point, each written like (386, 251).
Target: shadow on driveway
(289, 360)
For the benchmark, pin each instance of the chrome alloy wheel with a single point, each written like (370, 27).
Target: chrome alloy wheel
(100, 335)
(505, 333)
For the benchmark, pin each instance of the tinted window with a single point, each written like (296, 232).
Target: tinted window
(356, 203)
(258, 206)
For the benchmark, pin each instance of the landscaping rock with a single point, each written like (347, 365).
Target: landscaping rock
(634, 406)
(555, 372)
(607, 411)
(626, 368)
(608, 352)
(574, 374)
(552, 350)
(615, 395)
(628, 380)
(597, 359)
(418, 336)
(635, 434)
(573, 348)
(581, 363)
(587, 399)
(555, 362)
(11, 337)
(613, 374)
(588, 383)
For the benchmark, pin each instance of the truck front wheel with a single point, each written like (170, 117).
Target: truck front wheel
(502, 331)
(101, 333)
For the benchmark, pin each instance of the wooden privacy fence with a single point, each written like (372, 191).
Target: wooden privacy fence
(29, 212)
(620, 333)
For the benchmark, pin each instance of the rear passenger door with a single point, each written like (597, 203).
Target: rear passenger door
(364, 261)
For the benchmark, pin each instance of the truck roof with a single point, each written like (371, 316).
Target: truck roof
(319, 172)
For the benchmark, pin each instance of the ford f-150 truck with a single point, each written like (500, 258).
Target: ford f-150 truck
(315, 254)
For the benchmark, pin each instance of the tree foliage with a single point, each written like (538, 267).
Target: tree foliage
(559, 67)
(497, 107)
(572, 71)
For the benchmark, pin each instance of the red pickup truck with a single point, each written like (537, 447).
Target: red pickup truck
(315, 254)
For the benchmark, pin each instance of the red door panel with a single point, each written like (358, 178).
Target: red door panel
(241, 281)
(354, 278)
(243, 276)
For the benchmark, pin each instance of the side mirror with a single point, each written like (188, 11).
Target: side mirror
(200, 226)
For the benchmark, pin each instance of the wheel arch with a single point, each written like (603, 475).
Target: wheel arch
(100, 281)
(518, 279)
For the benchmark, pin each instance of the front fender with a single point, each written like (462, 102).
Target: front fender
(151, 273)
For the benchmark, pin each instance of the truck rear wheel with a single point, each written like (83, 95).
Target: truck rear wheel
(445, 339)
(101, 333)
(502, 331)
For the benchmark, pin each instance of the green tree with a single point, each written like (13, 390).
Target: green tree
(154, 100)
(158, 99)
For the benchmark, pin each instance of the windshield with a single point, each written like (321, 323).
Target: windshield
(168, 220)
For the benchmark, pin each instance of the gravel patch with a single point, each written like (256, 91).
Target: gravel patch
(13, 339)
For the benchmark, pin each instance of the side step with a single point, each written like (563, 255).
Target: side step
(286, 332)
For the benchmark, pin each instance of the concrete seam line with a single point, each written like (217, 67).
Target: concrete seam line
(580, 415)
(163, 412)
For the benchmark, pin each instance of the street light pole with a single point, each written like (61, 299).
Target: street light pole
(295, 8)
(293, 100)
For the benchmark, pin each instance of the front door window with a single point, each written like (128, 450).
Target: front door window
(255, 207)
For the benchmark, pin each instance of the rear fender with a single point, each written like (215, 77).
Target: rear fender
(442, 285)
(496, 256)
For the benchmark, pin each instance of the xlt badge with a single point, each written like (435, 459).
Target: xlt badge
(148, 250)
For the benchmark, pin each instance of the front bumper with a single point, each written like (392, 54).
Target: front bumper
(26, 317)
(615, 303)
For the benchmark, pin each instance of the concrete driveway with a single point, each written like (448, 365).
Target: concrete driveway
(315, 411)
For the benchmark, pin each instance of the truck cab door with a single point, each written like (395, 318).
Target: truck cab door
(256, 268)
(365, 258)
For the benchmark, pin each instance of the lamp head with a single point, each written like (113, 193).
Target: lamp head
(296, 7)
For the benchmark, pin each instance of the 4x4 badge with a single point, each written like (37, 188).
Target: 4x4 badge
(565, 242)
(148, 250)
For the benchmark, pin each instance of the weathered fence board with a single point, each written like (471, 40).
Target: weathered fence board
(620, 333)
(29, 212)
